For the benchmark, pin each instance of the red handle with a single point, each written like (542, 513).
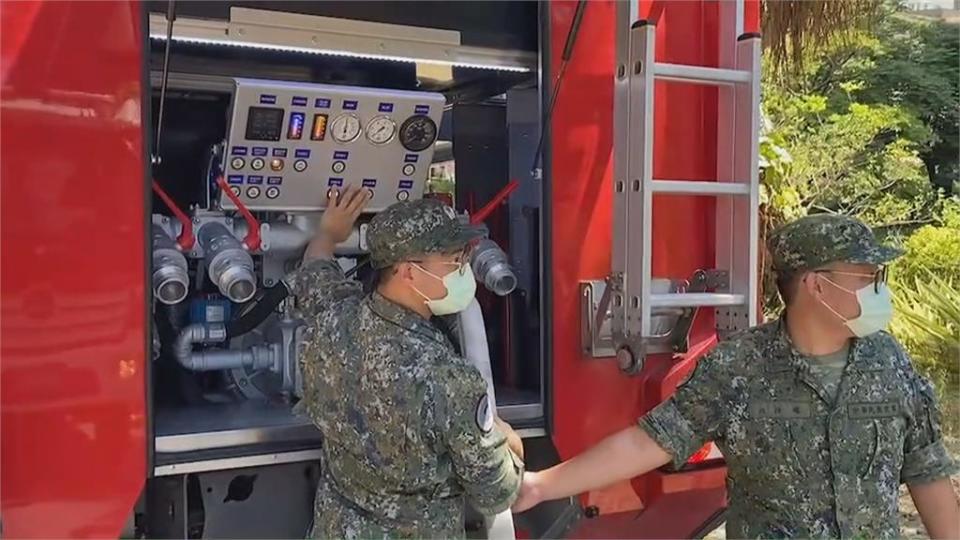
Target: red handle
(488, 208)
(186, 239)
(252, 240)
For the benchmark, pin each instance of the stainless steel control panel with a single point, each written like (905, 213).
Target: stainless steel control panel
(290, 144)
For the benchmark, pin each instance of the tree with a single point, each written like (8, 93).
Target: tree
(793, 28)
(868, 117)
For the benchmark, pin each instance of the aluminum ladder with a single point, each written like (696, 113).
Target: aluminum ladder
(627, 314)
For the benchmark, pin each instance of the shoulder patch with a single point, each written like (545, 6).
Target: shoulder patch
(484, 415)
(451, 213)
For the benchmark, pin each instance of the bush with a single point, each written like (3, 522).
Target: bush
(933, 248)
(927, 323)
(926, 285)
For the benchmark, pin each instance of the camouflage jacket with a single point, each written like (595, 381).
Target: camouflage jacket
(801, 464)
(408, 433)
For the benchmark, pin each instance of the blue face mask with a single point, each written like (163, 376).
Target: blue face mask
(876, 308)
(461, 288)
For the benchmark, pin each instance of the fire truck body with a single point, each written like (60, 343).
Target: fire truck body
(109, 430)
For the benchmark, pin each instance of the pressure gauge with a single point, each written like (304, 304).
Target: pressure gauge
(381, 130)
(345, 128)
(417, 133)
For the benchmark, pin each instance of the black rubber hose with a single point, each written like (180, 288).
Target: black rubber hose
(360, 264)
(257, 311)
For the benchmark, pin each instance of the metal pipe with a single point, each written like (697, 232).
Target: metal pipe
(170, 279)
(699, 188)
(284, 240)
(257, 357)
(680, 300)
(491, 267)
(700, 75)
(230, 267)
(294, 237)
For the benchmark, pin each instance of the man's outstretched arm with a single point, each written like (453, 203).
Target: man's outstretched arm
(937, 503)
(672, 431)
(621, 456)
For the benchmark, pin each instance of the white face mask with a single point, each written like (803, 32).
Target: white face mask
(461, 288)
(876, 308)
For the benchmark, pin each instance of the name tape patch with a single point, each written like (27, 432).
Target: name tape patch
(874, 409)
(781, 409)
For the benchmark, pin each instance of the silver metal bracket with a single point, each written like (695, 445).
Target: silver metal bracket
(701, 281)
(671, 324)
(596, 335)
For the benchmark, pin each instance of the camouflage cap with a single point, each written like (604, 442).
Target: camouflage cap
(813, 241)
(410, 229)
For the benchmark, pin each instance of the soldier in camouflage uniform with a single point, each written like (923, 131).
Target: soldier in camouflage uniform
(820, 415)
(408, 433)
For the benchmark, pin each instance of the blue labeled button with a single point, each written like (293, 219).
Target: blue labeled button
(274, 180)
(238, 151)
(410, 158)
(341, 154)
(299, 101)
(385, 107)
(349, 105)
(322, 103)
(369, 182)
(406, 184)
(335, 182)
(259, 150)
(422, 109)
(268, 99)
(254, 179)
(301, 152)
(279, 152)
(235, 179)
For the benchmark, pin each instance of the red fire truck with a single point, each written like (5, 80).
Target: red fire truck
(162, 163)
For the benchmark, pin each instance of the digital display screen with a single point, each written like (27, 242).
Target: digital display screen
(264, 123)
(319, 131)
(295, 126)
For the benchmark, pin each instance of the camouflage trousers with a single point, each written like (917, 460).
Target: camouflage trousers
(335, 517)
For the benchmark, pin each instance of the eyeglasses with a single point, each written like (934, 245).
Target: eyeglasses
(879, 277)
(460, 263)
(461, 267)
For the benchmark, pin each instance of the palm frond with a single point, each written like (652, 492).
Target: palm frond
(791, 27)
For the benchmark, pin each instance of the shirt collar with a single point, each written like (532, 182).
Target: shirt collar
(785, 357)
(404, 318)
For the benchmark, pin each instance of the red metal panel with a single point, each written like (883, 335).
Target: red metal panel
(72, 245)
(592, 398)
(681, 515)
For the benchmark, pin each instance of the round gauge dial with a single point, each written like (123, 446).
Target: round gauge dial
(417, 133)
(381, 130)
(345, 128)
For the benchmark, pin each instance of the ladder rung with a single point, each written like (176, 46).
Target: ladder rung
(696, 300)
(699, 188)
(698, 74)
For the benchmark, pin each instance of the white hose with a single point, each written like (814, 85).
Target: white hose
(473, 343)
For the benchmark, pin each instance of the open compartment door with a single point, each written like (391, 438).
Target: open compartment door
(73, 328)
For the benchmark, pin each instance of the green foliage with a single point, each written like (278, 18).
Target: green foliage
(846, 157)
(933, 248)
(914, 65)
(926, 285)
(927, 323)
